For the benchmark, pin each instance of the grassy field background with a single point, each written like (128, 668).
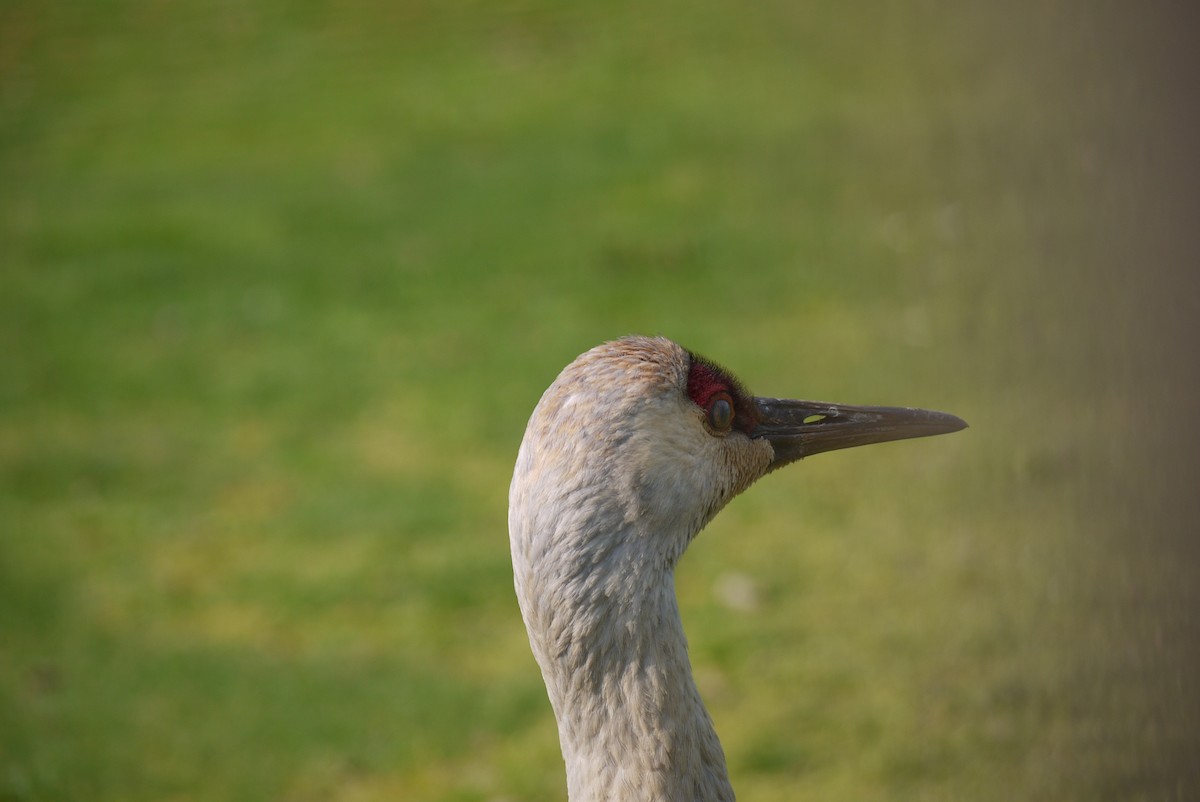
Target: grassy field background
(281, 282)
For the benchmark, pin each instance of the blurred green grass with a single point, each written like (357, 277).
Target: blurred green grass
(281, 284)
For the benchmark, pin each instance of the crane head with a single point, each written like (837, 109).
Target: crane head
(641, 433)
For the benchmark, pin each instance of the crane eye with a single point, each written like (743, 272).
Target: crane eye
(720, 413)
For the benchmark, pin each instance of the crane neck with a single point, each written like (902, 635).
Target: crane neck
(607, 635)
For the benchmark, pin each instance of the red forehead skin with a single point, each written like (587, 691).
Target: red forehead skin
(705, 381)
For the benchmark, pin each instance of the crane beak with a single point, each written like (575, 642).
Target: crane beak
(797, 429)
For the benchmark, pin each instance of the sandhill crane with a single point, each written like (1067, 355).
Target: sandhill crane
(635, 446)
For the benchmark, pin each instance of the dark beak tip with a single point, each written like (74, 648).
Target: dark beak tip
(953, 423)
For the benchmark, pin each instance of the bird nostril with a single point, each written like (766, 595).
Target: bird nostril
(814, 418)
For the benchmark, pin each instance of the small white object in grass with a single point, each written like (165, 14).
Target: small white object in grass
(737, 591)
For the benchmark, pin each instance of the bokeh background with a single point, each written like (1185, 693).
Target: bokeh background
(280, 283)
